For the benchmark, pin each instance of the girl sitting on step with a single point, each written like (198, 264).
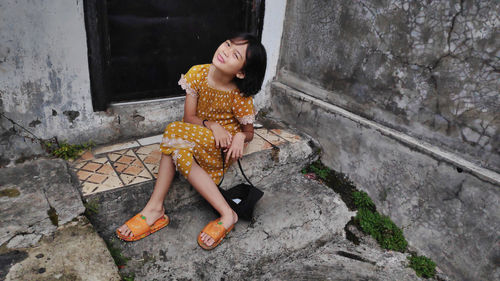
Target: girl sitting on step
(218, 114)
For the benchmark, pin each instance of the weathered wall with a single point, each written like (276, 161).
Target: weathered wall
(425, 75)
(45, 86)
(428, 68)
(448, 214)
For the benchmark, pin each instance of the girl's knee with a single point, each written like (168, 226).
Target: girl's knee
(173, 125)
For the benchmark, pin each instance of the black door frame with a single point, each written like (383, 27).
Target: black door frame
(95, 14)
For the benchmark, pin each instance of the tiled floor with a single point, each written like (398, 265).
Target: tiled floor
(118, 165)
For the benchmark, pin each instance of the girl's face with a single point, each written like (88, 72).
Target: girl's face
(230, 58)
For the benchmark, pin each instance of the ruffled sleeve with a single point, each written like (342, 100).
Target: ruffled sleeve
(190, 81)
(243, 109)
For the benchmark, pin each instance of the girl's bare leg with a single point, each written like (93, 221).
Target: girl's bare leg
(204, 184)
(154, 208)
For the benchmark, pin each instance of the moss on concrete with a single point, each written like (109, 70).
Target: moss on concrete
(9, 192)
(423, 266)
(54, 218)
(382, 228)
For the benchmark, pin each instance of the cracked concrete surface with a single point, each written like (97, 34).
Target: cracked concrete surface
(62, 257)
(43, 185)
(429, 69)
(43, 235)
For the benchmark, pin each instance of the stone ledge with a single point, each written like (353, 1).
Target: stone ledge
(422, 146)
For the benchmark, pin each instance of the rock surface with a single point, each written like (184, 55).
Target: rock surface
(45, 195)
(43, 235)
(75, 252)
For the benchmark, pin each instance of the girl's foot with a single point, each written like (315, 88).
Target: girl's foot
(227, 221)
(151, 215)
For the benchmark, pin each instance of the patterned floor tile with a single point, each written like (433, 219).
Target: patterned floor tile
(153, 168)
(270, 137)
(286, 135)
(129, 166)
(89, 188)
(256, 144)
(96, 173)
(151, 156)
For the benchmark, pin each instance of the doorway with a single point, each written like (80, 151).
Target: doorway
(139, 49)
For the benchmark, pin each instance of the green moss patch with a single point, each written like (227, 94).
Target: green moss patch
(128, 277)
(339, 182)
(368, 219)
(387, 233)
(67, 151)
(9, 192)
(91, 207)
(423, 266)
(116, 253)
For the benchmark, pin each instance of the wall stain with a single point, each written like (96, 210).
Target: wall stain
(71, 114)
(34, 123)
(137, 117)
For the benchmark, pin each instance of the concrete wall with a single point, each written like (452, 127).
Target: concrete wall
(430, 69)
(403, 97)
(45, 86)
(448, 210)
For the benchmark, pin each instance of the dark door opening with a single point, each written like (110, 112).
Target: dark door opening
(139, 49)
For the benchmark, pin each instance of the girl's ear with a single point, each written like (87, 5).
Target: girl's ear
(240, 75)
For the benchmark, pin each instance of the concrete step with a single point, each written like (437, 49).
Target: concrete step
(298, 234)
(291, 215)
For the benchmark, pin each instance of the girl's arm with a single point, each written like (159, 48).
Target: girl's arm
(247, 130)
(190, 110)
(236, 149)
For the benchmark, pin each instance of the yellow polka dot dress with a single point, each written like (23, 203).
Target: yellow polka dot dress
(187, 142)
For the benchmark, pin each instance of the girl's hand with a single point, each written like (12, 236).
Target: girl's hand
(222, 137)
(236, 149)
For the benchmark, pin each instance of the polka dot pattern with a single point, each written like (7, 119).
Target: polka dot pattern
(186, 141)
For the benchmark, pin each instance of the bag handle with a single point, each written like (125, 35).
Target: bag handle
(223, 168)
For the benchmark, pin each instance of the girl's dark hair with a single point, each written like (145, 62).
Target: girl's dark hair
(255, 64)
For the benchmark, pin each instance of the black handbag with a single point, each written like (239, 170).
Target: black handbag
(242, 197)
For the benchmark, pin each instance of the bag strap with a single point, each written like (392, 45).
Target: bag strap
(223, 168)
(239, 163)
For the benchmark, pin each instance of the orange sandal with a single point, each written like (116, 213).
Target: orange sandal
(140, 229)
(215, 230)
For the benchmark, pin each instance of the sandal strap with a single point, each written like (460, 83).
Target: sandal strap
(137, 224)
(215, 229)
